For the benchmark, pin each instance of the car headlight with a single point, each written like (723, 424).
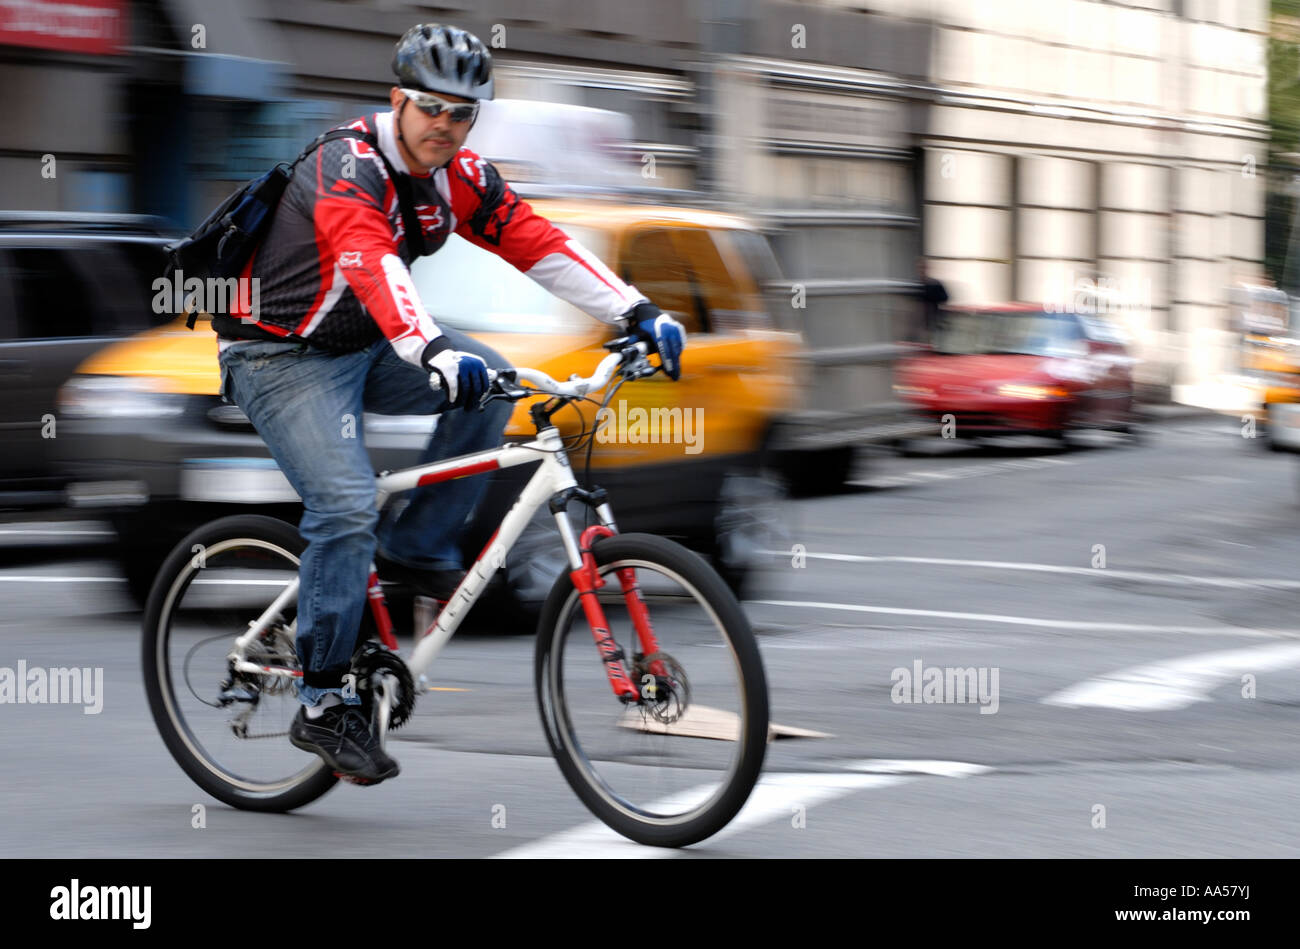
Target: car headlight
(116, 397)
(1038, 393)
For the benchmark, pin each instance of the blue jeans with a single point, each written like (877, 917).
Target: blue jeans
(307, 405)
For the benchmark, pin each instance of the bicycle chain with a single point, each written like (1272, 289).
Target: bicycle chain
(247, 737)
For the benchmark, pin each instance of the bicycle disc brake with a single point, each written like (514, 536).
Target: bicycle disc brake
(370, 664)
(664, 697)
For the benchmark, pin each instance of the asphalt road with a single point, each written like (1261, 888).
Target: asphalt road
(1146, 704)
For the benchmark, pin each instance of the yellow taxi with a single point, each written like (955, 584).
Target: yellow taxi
(1268, 364)
(148, 442)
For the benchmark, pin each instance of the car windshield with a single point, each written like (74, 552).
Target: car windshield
(1029, 333)
(476, 291)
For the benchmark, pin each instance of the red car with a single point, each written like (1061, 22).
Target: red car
(1020, 368)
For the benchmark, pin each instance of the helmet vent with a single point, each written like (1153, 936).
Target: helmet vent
(444, 59)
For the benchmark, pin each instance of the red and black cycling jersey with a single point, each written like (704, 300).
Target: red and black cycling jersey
(333, 269)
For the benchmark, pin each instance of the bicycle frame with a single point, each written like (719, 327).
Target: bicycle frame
(553, 477)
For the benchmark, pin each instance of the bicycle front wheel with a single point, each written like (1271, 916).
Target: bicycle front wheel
(229, 732)
(674, 767)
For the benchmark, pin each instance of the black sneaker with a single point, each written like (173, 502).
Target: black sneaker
(439, 584)
(343, 737)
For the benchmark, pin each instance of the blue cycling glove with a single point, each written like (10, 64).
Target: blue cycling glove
(462, 376)
(665, 334)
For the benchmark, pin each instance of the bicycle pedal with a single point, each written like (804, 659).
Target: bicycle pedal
(353, 779)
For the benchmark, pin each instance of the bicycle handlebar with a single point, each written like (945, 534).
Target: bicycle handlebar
(626, 352)
(578, 386)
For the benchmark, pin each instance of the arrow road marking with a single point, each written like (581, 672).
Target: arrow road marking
(1163, 686)
(774, 798)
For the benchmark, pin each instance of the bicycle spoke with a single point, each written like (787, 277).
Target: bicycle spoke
(237, 727)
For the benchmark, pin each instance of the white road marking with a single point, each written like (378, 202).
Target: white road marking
(945, 769)
(775, 797)
(48, 579)
(923, 475)
(60, 533)
(1163, 686)
(43, 578)
(1100, 573)
(1032, 621)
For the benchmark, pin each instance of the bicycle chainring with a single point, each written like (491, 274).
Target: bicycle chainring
(370, 663)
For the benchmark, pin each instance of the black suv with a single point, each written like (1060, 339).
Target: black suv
(69, 284)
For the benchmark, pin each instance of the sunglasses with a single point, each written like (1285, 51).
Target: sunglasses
(432, 106)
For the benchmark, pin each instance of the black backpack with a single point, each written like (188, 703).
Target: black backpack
(226, 240)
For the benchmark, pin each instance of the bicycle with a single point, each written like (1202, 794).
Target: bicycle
(664, 744)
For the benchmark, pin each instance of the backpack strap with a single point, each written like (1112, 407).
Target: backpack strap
(401, 183)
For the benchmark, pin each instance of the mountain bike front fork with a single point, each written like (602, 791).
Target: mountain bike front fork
(587, 580)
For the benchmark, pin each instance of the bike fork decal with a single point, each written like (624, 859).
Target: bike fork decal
(636, 607)
(379, 610)
(586, 580)
(610, 654)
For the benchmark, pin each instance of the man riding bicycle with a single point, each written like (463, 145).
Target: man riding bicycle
(341, 330)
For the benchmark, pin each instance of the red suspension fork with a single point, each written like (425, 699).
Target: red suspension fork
(636, 608)
(587, 580)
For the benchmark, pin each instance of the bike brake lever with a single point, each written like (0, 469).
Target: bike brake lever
(513, 394)
(641, 370)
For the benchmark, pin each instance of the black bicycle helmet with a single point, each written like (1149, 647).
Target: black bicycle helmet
(443, 59)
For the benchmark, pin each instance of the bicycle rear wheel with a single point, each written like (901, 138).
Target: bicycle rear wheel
(675, 767)
(229, 734)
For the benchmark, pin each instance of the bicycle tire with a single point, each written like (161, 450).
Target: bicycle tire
(306, 785)
(697, 579)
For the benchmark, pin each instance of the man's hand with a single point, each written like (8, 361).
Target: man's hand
(462, 376)
(665, 334)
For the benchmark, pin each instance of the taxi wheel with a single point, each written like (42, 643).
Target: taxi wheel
(140, 570)
(143, 545)
(810, 473)
(531, 569)
(749, 523)
(1264, 430)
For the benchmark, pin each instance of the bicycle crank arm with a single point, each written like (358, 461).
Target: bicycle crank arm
(384, 710)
